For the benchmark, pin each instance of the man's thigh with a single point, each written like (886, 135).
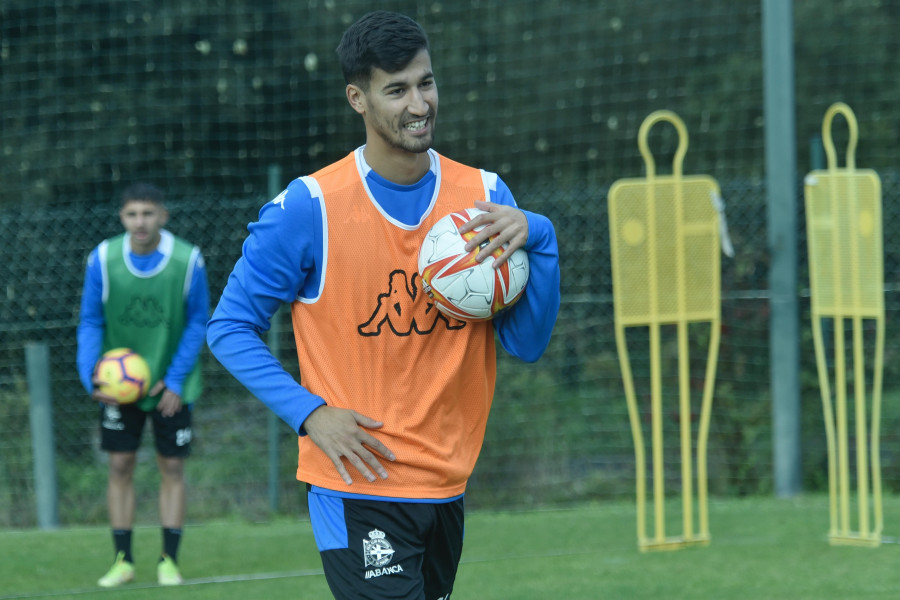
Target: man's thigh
(383, 550)
(173, 434)
(121, 427)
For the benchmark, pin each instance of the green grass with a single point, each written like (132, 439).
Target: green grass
(762, 549)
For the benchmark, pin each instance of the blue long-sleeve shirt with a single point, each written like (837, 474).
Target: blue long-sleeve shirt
(282, 261)
(92, 322)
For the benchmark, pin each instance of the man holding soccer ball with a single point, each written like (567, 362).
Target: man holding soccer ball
(145, 290)
(395, 395)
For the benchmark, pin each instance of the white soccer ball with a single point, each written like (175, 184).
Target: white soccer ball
(460, 286)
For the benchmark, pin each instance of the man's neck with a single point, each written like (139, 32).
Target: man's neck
(145, 249)
(404, 168)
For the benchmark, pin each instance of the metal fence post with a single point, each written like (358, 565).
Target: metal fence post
(274, 341)
(781, 189)
(37, 365)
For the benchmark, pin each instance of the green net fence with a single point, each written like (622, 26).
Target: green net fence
(220, 103)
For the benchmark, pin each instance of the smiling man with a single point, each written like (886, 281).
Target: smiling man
(390, 420)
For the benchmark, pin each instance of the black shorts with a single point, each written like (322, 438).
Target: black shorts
(121, 428)
(380, 550)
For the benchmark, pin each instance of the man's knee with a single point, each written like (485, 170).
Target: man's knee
(171, 468)
(121, 465)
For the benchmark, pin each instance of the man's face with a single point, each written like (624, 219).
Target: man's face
(143, 220)
(399, 108)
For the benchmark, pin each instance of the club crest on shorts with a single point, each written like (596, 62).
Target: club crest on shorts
(112, 418)
(377, 551)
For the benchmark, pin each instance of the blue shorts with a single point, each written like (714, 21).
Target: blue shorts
(385, 549)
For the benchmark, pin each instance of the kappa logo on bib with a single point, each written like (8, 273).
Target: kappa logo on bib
(405, 309)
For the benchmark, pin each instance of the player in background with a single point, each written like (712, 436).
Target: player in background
(146, 290)
(390, 415)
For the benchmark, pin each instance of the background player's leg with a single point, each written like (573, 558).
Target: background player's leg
(120, 489)
(172, 495)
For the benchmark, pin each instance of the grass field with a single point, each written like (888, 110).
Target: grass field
(762, 549)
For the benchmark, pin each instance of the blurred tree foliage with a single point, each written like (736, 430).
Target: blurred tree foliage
(205, 95)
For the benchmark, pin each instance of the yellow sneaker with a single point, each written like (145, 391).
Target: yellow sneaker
(121, 572)
(167, 572)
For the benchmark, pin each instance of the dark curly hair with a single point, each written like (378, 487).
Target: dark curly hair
(381, 39)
